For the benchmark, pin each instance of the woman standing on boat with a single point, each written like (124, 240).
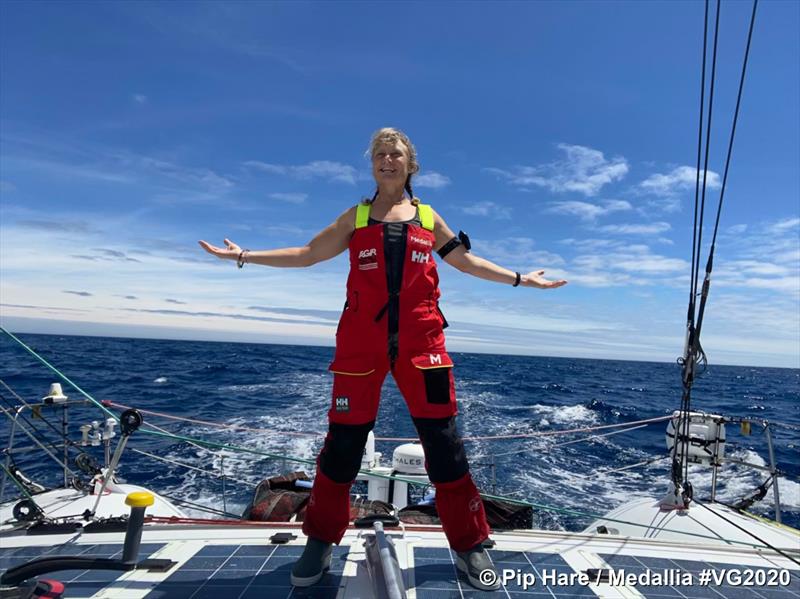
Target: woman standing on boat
(391, 323)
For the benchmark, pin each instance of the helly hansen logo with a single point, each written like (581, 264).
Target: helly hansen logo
(420, 257)
(436, 359)
(367, 253)
(341, 404)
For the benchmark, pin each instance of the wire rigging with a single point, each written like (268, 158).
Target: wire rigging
(693, 351)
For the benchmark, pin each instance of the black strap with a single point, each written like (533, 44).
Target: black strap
(448, 247)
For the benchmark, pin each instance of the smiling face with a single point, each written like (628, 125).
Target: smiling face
(390, 162)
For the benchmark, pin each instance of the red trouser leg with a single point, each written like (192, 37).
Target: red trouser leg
(426, 381)
(354, 405)
(460, 509)
(328, 511)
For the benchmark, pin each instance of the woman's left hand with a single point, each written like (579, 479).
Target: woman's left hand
(535, 279)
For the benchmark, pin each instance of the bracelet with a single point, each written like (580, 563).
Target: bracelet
(518, 281)
(242, 259)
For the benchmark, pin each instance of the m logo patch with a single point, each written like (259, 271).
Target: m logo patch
(436, 359)
(341, 404)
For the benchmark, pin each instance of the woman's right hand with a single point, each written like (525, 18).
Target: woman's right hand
(231, 251)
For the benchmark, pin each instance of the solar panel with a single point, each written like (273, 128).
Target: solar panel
(247, 572)
(698, 579)
(79, 583)
(436, 576)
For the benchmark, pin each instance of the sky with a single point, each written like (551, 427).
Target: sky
(559, 135)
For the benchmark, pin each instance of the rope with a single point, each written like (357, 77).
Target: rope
(394, 439)
(60, 374)
(756, 537)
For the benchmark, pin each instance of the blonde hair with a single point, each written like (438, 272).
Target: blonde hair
(391, 135)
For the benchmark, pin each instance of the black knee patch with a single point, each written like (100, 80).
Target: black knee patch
(445, 457)
(340, 458)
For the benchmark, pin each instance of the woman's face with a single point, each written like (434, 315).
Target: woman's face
(390, 163)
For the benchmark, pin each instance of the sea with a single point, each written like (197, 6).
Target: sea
(262, 408)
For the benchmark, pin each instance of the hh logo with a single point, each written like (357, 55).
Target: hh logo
(368, 253)
(420, 257)
(341, 404)
(436, 359)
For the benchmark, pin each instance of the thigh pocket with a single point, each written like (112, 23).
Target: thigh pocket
(436, 372)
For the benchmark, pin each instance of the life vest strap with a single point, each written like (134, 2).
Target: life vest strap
(362, 215)
(425, 215)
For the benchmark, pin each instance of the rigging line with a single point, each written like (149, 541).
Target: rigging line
(756, 537)
(467, 438)
(709, 264)
(176, 463)
(36, 435)
(692, 290)
(694, 341)
(59, 373)
(21, 487)
(708, 145)
(70, 444)
(629, 466)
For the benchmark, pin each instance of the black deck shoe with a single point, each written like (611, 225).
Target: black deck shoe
(479, 569)
(312, 565)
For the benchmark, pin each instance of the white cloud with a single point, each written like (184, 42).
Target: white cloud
(736, 229)
(516, 250)
(489, 209)
(140, 98)
(611, 263)
(291, 198)
(785, 225)
(677, 181)
(583, 170)
(317, 169)
(637, 229)
(587, 211)
(431, 179)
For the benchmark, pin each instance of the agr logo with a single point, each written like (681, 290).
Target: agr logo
(367, 253)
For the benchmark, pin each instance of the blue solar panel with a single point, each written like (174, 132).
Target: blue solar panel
(675, 574)
(436, 576)
(79, 583)
(247, 572)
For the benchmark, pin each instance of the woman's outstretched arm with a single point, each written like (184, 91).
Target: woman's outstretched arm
(328, 243)
(479, 267)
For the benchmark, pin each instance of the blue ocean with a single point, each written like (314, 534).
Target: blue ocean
(253, 399)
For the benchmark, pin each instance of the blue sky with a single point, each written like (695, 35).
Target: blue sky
(559, 135)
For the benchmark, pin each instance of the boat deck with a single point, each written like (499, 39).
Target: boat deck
(240, 561)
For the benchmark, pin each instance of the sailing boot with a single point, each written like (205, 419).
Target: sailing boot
(479, 569)
(312, 565)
